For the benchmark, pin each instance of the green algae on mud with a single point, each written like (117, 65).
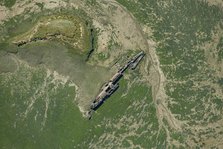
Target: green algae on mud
(122, 118)
(65, 126)
(38, 110)
(181, 28)
(39, 106)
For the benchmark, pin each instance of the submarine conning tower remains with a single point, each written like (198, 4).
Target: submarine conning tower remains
(112, 85)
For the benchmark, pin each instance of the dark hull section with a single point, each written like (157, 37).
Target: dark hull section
(117, 79)
(99, 103)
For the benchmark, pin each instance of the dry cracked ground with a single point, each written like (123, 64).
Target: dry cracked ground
(49, 76)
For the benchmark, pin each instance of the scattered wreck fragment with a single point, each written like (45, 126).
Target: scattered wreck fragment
(112, 85)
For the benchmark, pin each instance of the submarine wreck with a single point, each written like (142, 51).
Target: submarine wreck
(113, 84)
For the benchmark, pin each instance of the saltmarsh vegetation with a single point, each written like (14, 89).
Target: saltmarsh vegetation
(68, 26)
